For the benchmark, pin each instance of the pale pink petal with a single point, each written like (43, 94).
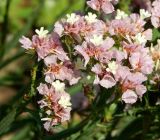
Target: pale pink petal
(135, 59)
(58, 28)
(140, 90)
(80, 50)
(97, 69)
(148, 34)
(108, 43)
(50, 60)
(129, 97)
(94, 4)
(96, 80)
(42, 89)
(107, 81)
(107, 7)
(47, 125)
(26, 42)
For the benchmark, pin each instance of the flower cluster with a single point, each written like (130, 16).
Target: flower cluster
(156, 13)
(114, 51)
(55, 101)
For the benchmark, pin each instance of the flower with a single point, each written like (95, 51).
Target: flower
(56, 104)
(65, 101)
(96, 40)
(59, 86)
(121, 14)
(144, 14)
(155, 11)
(106, 80)
(140, 38)
(142, 62)
(72, 18)
(89, 50)
(61, 71)
(91, 18)
(41, 33)
(155, 53)
(26, 43)
(112, 67)
(129, 97)
(104, 5)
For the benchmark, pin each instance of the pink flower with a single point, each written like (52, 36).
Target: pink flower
(155, 19)
(107, 81)
(61, 71)
(140, 90)
(142, 62)
(104, 5)
(96, 48)
(129, 97)
(49, 45)
(44, 46)
(122, 27)
(103, 78)
(26, 43)
(132, 87)
(56, 105)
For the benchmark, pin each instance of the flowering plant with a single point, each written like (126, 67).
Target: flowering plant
(108, 53)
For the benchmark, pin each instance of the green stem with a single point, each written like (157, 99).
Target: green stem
(34, 74)
(4, 29)
(70, 131)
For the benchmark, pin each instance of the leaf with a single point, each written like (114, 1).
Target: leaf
(6, 122)
(75, 89)
(127, 127)
(156, 35)
(23, 134)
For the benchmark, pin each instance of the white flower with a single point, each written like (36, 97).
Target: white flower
(65, 101)
(144, 14)
(48, 112)
(72, 18)
(97, 40)
(91, 18)
(41, 33)
(121, 14)
(140, 38)
(59, 86)
(88, 77)
(112, 67)
(46, 119)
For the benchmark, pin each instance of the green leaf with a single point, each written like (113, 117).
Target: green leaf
(156, 35)
(23, 134)
(75, 89)
(6, 122)
(127, 127)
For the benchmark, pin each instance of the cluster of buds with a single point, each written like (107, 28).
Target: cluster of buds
(114, 51)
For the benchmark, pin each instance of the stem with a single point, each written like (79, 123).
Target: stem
(4, 28)
(68, 132)
(34, 74)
